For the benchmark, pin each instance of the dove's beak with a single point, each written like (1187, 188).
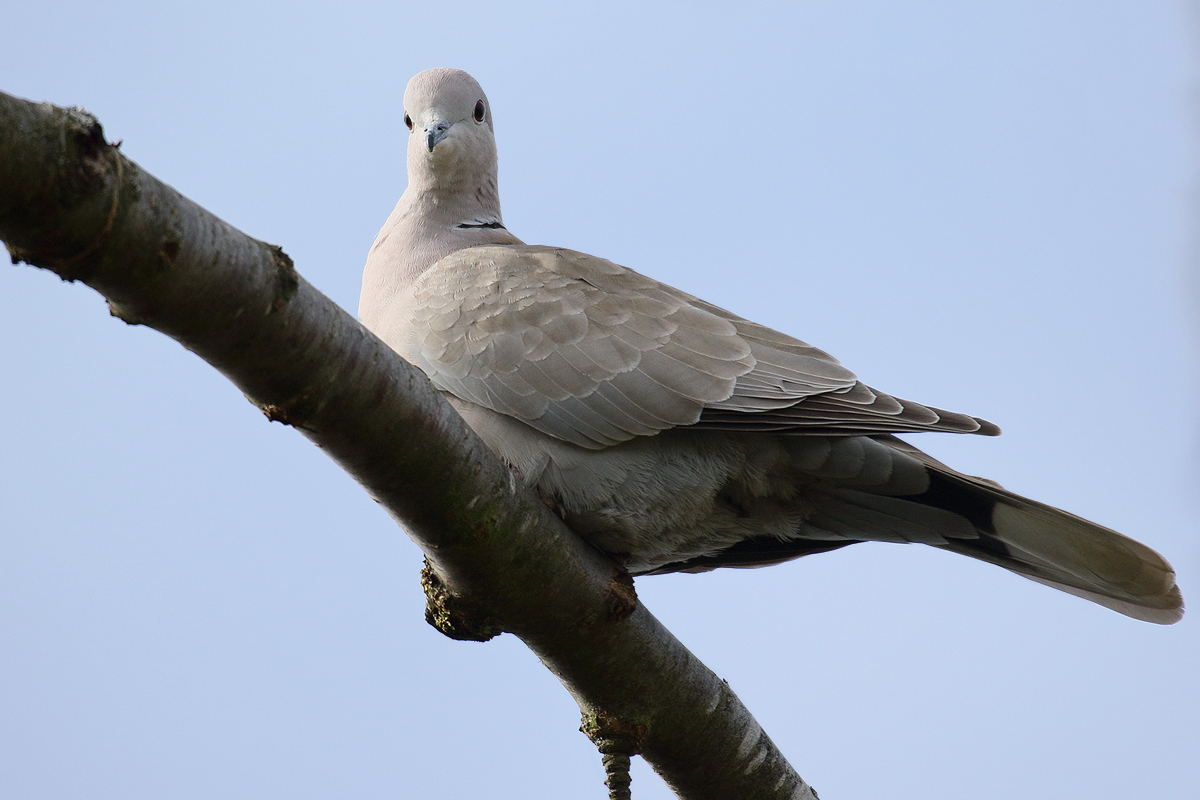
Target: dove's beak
(435, 131)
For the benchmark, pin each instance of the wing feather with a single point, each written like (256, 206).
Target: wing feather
(595, 354)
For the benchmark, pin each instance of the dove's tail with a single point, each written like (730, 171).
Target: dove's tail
(1053, 547)
(881, 488)
(1061, 550)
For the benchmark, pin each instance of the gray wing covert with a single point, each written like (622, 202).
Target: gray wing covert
(595, 354)
(579, 347)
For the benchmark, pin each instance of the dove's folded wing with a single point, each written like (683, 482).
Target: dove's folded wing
(595, 354)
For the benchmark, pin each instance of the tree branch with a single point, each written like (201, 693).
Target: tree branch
(71, 203)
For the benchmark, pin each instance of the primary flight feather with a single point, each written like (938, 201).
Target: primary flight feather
(670, 433)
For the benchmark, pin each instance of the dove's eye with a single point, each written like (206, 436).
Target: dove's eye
(408, 120)
(479, 111)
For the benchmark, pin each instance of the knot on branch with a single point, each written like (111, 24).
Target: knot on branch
(293, 412)
(617, 740)
(287, 280)
(620, 598)
(65, 202)
(454, 616)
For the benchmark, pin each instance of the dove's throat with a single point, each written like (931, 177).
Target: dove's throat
(427, 225)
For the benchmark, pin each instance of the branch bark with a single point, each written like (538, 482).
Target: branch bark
(498, 558)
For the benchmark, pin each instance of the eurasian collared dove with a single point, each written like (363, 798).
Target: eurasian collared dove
(668, 432)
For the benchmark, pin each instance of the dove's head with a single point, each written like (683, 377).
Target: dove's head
(450, 122)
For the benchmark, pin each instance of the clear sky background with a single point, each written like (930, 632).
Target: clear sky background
(983, 206)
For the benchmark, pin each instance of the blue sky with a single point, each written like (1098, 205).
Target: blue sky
(985, 207)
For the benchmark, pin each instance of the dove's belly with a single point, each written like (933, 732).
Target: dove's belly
(667, 498)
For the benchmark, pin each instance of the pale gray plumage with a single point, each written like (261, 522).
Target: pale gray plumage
(669, 432)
